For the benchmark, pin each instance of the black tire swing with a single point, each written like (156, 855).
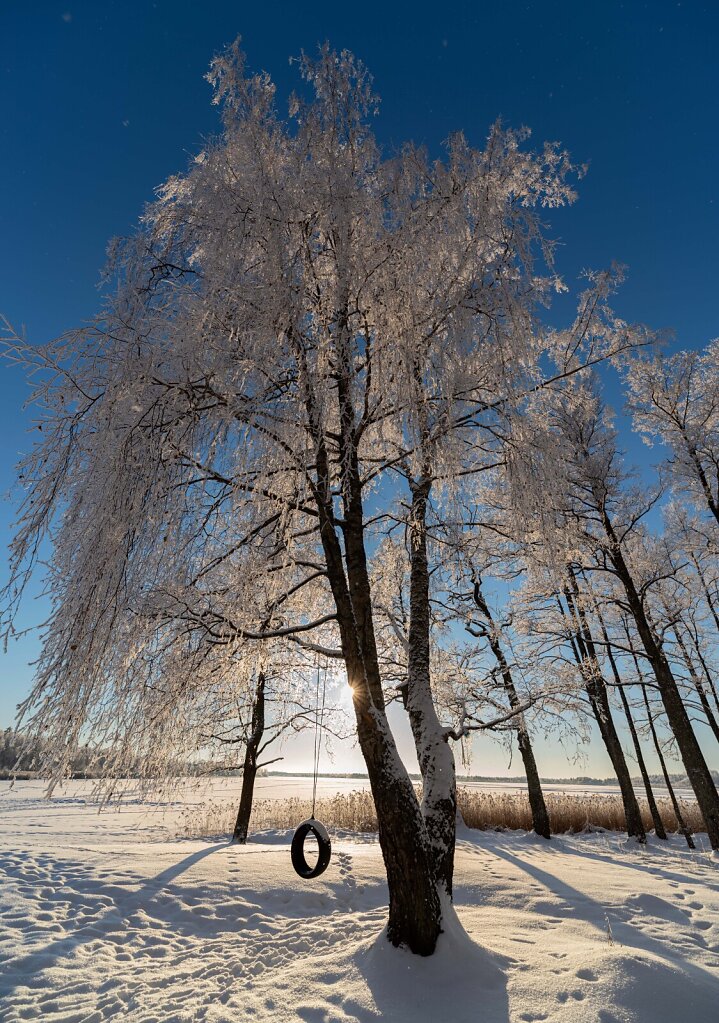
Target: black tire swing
(297, 850)
(312, 826)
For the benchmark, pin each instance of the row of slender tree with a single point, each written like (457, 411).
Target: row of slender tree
(635, 606)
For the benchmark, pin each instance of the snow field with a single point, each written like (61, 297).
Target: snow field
(105, 917)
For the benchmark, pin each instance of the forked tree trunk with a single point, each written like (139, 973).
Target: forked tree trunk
(415, 907)
(586, 657)
(249, 771)
(415, 910)
(694, 763)
(540, 816)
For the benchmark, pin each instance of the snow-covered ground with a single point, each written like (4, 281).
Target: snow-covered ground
(110, 917)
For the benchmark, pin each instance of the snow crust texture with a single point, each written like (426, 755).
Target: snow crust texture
(107, 917)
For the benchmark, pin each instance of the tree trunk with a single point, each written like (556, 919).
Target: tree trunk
(540, 816)
(415, 910)
(597, 692)
(244, 812)
(414, 905)
(249, 771)
(659, 829)
(694, 763)
(681, 823)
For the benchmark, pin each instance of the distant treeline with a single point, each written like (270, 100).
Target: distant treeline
(22, 757)
(518, 779)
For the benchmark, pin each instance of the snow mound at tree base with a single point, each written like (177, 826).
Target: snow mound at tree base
(451, 984)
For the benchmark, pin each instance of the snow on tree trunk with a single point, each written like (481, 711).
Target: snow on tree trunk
(436, 760)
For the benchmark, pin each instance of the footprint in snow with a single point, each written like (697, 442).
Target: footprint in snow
(345, 862)
(564, 996)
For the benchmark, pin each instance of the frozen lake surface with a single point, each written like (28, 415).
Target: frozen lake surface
(275, 787)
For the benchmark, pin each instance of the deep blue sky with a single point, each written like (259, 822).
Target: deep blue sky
(101, 101)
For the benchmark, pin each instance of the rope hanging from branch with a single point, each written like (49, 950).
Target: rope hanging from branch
(312, 826)
(318, 732)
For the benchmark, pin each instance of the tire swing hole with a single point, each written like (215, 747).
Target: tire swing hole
(319, 831)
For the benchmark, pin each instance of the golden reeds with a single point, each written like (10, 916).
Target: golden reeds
(485, 811)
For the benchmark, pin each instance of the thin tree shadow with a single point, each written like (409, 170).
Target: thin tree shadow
(645, 866)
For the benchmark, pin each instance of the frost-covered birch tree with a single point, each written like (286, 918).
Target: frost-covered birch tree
(302, 337)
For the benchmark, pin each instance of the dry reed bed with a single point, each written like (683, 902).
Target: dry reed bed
(485, 811)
